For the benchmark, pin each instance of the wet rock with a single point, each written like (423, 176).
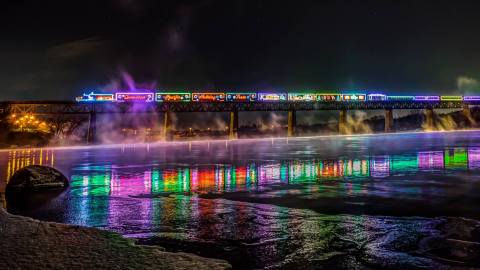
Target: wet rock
(35, 177)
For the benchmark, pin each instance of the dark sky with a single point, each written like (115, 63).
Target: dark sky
(56, 50)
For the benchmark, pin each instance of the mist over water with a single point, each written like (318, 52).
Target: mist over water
(334, 202)
(355, 124)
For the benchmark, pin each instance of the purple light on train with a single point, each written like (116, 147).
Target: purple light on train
(135, 97)
(471, 98)
(427, 98)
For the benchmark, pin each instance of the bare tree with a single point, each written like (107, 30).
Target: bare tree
(63, 126)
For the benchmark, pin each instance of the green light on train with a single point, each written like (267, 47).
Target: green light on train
(400, 98)
(451, 98)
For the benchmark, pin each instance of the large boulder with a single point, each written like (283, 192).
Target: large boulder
(35, 177)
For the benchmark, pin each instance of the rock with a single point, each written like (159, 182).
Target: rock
(32, 244)
(36, 177)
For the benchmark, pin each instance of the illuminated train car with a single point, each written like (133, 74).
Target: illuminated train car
(376, 97)
(451, 98)
(262, 97)
(272, 96)
(400, 98)
(329, 97)
(208, 97)
(353, 97)
(301, 97)
(471, 98)
(173, 97)
(241, 97)
(427, 98)
(134, 97)
(95, 97)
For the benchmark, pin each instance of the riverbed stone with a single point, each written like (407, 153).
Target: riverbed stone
(36, 177)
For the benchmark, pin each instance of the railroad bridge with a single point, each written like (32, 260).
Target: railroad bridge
(167, 108)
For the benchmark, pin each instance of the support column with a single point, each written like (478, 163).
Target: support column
(292, 122)
(233, 127)
(388, 120)
(3, 122)
(468, 115)
(167, 126)
(429, 122)
(92, 128)
(342, 122)
(3, 200)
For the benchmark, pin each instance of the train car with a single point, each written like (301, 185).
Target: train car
(353, 97)
(272, 96)
(451, 98)
(173, 97)
(208, 97)
(134, 97)
(301, 97)
(427, 98)
(329, 97)
(471, 98)
(400, 98)
(241, 97)
(376, 97)
(95, 97)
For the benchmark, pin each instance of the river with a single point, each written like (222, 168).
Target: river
(401, 201)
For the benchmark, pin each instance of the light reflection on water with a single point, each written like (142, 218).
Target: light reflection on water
(106, 178)
(252, 197)
(134, 180)
(109, 180)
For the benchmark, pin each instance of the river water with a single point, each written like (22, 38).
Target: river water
(403, 201)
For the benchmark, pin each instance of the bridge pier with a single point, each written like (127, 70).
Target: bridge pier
(342, 122)
(167, 126)
(468, 115)
(429, 121)
(92, 128)
(388, 120)
(292, 122)
(233, 127)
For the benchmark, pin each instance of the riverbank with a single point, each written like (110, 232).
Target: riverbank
(33, 244)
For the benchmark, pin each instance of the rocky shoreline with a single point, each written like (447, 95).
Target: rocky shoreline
(32, 244)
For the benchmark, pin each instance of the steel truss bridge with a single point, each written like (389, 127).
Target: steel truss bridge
(68, 107)
(94, 108)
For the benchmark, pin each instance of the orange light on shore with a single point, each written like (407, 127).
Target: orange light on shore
(28, 122)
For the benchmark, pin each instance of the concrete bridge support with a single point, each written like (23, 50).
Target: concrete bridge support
(342, 122)
(167, 126)
(233, 127)
(468, 115)
(429, 120)
(292, 122)
(388, 120)
(92, 128)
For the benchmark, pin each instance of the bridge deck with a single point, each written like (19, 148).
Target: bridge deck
(68, 107)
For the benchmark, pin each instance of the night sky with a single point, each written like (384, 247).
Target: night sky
(57, 50)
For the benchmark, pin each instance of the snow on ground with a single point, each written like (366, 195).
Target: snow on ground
(31, 244)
